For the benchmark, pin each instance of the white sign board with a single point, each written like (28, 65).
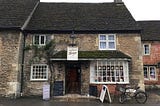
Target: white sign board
(46, 92)
(72, 53)
(103, 93)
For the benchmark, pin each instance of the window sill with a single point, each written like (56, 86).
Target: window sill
(146, 54)
(151, 80)
(40, 80)
(106, 49)
(109, 82)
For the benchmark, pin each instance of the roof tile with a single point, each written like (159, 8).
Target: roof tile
(150, 30)
(13, 13)
(82, 16)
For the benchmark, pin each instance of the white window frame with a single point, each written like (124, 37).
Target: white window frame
(94, 73)
(107, 41)
(149, 74)
(39, 42)
(144, 53)
(38, 79)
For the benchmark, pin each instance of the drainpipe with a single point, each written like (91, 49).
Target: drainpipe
(22, 66)
(24, 40)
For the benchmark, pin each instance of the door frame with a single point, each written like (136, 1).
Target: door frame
(73, 65)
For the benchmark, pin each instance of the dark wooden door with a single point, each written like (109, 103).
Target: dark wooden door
(73, 83)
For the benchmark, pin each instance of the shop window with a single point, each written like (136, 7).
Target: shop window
(39, 72)
(39, 40)
(109, 72)
(107, 42)
(149, 72)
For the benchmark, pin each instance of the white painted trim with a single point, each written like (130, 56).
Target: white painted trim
(109, 82)
(31, 79)
(45, 38)
(94, 76)
(149, 76)
(107, 41)
(144, 49)
(55, 59)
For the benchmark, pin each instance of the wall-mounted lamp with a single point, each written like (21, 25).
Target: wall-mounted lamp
(72, 37)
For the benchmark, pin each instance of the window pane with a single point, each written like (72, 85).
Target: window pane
(110, 37)
(36, 39)
(103, 45)
(145, 69)
(152, 73)
(39, 72)
(146, 49)
(111, 45)
(107, 42)
(110, 72)
(42, 40)
(102, 37)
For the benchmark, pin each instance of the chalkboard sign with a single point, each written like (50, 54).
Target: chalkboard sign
(58, 88)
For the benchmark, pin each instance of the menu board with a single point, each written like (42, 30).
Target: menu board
(58, 88)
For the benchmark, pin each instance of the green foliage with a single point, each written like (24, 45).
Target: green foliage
(40, 52)
(28, 47)
(49, 49)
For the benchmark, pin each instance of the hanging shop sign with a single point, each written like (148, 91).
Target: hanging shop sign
(72, 53)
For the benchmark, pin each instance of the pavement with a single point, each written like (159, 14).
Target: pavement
(153, 96)
(153, 100)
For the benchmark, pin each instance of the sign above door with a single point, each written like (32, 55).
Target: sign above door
(72, 53)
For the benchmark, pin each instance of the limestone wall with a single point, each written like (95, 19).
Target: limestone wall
(130, 44)
(10, 62)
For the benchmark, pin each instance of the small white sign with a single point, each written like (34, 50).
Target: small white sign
(46, 92)
(72, 53)
(103, 93)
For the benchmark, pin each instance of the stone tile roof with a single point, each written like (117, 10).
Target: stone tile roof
(94, 55)
(82, 17)
(13, 13)
(150, 30)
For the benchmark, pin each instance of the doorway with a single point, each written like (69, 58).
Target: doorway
(73, 78)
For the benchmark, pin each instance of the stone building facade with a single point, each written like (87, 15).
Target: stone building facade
(13, 16)
(10, 62)
(129, 44)
(105, 36)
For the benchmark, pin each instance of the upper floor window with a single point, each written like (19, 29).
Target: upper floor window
(149, 72)
(39, 72)
(146, 49)
(39, 40)
(107, 42)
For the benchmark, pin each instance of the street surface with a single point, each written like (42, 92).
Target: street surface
(39, 102)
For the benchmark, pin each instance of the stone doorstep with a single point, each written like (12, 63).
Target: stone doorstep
(75, 98)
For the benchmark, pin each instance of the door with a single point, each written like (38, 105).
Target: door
(73, 80)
